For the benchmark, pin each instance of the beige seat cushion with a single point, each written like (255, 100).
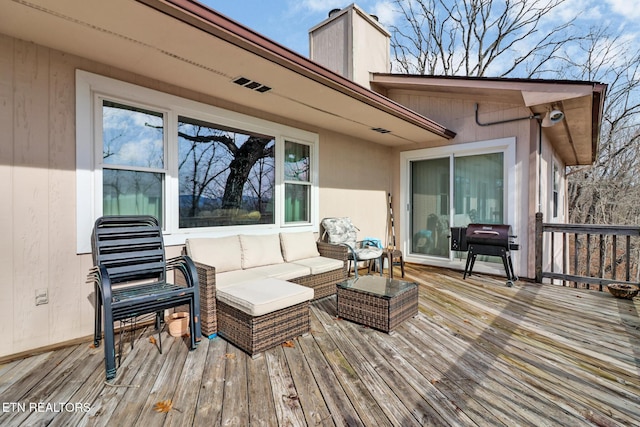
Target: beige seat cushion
(320, 264)
(223, 253)
(264, 296)
(298, 246)
(284, 271)
(259, 250)
(230, 278)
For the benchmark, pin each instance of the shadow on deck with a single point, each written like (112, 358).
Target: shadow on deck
(478, 353)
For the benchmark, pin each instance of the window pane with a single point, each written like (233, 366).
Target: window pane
(132, 136)
(479, 189)
(297, 161)
(226, 176)
(430, 207)
(296, 203)
(132, 193)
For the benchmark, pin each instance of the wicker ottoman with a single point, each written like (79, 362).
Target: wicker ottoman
(258, 315)
(377, 302)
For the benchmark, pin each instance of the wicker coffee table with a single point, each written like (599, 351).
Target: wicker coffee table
(378, 302)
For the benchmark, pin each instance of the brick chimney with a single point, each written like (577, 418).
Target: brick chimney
(352, 43)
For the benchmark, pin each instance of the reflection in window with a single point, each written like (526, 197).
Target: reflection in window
(297, 177)
(132, 193)
(226, 176)
(133, 160)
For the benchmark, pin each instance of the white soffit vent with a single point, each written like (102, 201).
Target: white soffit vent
(251, 84)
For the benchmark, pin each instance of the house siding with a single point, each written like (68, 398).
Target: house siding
(458, 113)
(38, 191)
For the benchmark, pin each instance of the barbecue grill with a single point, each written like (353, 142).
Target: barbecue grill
(486, 239)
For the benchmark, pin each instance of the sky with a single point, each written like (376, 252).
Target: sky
(287, 22)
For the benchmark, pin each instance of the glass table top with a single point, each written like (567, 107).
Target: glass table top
(377, 285)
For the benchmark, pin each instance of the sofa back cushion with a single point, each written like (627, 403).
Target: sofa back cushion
(297, 246)
(223, 253)
(259, 250)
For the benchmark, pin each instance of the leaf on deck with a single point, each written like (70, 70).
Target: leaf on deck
(289, 344)
(163, 406)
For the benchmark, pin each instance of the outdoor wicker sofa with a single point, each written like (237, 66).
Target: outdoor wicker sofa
(295, 257)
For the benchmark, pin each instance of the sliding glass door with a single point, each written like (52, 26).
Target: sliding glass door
(453, 191)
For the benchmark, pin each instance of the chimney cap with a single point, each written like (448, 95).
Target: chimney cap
(333, 12)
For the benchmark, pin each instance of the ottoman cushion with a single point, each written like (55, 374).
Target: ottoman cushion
(264, 296)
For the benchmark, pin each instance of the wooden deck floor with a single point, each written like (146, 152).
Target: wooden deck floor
(478, 353)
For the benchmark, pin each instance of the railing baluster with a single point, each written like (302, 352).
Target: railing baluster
(575, 257)
(602, 260)
(628, 268)
(614, 256)
(553, 252)
(588, 272)
(565, 244)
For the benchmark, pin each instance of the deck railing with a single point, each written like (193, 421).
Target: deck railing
(590, 256)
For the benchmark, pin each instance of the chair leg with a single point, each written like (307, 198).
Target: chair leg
(97, 329)
(193, 329)
(109, 345)
(159, 329)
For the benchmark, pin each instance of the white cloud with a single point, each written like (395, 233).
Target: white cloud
(386, 13)
(321, 5)
(627, 8)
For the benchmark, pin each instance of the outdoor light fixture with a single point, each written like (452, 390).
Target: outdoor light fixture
(551, 118)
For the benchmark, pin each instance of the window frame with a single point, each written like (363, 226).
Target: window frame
(91, 89)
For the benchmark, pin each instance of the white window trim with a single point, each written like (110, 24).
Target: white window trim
(512, 199)
(88, 171)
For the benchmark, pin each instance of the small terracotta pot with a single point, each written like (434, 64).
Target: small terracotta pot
(178, 324)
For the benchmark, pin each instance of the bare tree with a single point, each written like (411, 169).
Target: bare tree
(479, 37)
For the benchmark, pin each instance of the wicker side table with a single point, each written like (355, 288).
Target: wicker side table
(378, 302)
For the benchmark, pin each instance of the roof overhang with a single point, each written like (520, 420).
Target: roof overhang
(575, 138)
(184, 43)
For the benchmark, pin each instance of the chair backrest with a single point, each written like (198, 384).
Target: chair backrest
(130, 247)
(340, 230)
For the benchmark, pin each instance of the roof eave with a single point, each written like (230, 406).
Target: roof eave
(208, 20)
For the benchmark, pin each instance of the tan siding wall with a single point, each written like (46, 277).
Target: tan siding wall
(459, 115)
(355, 177)
(38, 200)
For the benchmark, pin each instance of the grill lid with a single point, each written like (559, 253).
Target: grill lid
(489, 234)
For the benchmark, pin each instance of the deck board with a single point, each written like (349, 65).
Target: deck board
(477, 354)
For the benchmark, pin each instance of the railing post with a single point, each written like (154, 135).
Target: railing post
(538, 247)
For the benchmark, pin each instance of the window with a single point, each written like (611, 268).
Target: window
(297, 182)
(226, 176)
(132, 160)
(556, 189)
(197, 168)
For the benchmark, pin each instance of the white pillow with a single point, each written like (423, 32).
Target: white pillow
(259, 250)
(223, 253)
(297, 246)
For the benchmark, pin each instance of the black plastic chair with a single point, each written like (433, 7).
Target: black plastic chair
(130, 279)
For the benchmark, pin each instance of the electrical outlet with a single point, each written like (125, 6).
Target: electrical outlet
(42, 296)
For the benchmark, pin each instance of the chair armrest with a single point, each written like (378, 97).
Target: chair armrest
(330, 250)
(99, 276)
(186, 266)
